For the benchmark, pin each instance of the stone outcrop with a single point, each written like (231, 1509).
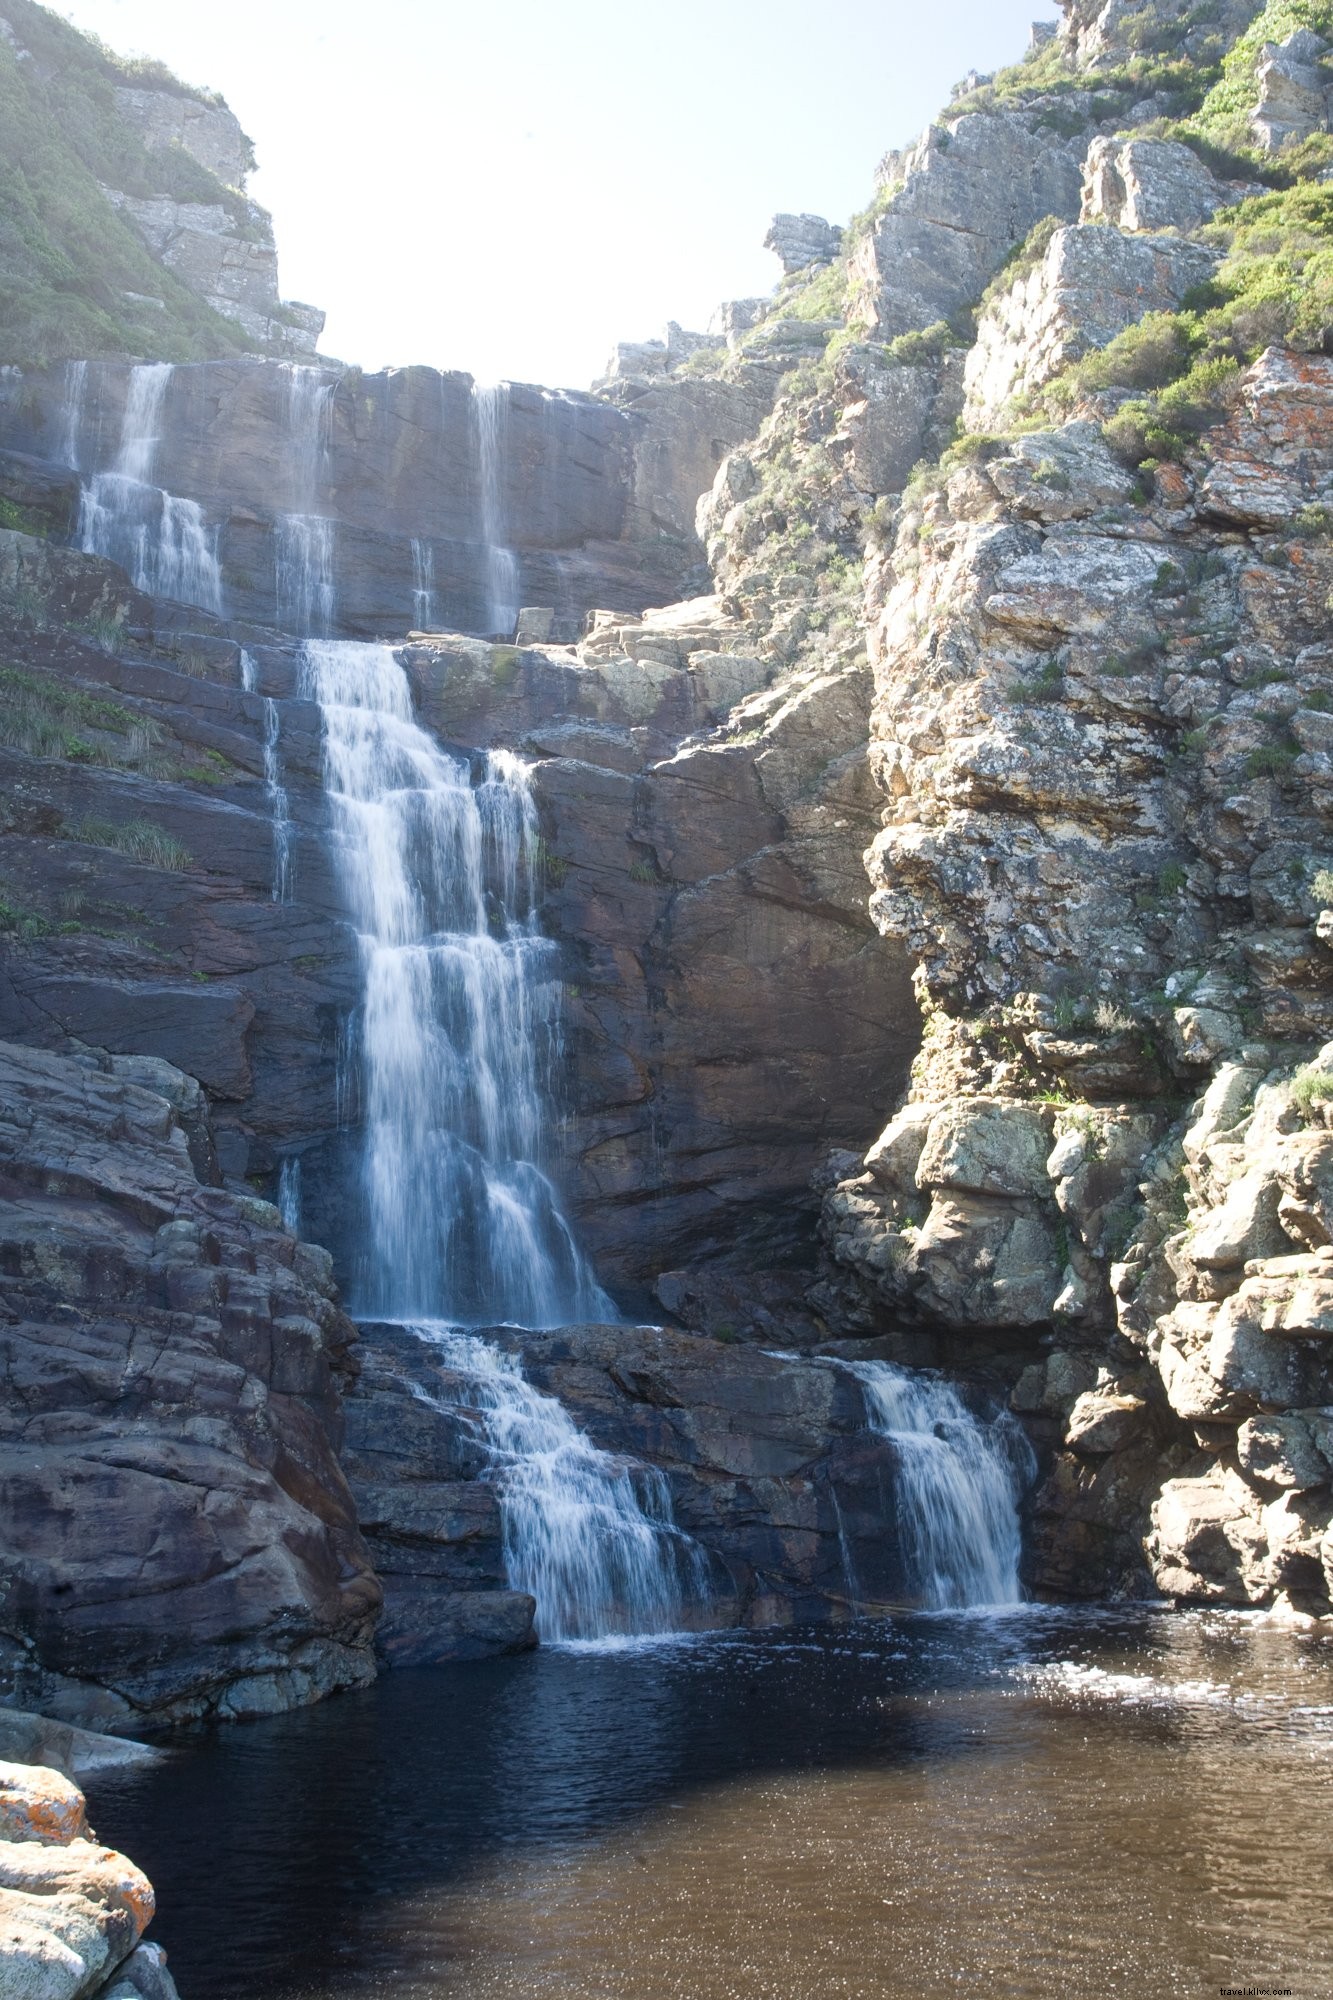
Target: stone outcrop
(207, 129)
(231, 262)
(224, 250)
(1099, 34)
(961, 199)
(179, 1541)
(1144, 184)
(72, 1912)
(1294, 85)
(1090, 285)
(802, 240)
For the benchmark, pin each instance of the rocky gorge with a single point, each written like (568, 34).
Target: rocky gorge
(809, 864)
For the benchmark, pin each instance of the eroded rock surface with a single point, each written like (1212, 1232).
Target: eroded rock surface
(178, 1538)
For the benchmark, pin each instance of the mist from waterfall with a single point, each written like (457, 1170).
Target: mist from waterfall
(491, 409)
(958, 1487)
(160, 539)
(459, 1023)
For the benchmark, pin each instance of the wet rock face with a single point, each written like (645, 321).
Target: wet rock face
(179, 1541)
(596, 502)
(137, 857)
(771, 1466)
(729, 1009)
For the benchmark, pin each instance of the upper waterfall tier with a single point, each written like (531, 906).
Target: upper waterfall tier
(459, 1020)
(327, 498)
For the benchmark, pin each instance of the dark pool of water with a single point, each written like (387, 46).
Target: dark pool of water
(1073, 1804)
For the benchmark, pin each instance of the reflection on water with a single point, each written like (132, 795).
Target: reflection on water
(1045, 1803)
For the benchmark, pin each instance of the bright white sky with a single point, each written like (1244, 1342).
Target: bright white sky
(512, 188)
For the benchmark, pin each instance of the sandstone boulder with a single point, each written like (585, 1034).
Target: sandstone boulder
(1144, 184)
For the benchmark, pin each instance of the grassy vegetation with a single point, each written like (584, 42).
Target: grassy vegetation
(45, 717)
(1311, 1086)
(66, 257)
(137, 838)
(1223, 114)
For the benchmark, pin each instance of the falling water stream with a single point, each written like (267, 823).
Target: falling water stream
(958, 1484)
(491, 408)
(161, 539)
(458, 1029)
(304, 541)
(459, 1018)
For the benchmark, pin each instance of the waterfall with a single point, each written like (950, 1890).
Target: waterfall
(958, 1486)
(303, 540)
(423, 586)
(70, 418)
(491, 406)
(303, 564)
(159, 538)
(589, 1535)
(279, 812)
(289, 1194)
(459, 1017)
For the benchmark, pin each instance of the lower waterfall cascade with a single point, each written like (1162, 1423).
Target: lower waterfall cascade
(958, 1487)
(590, 1535)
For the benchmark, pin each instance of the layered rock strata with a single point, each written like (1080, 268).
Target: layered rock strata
(179, 1541)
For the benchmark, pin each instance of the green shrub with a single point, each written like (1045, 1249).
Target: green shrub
(911, 350)
(1311, 1086)
(1271, 760)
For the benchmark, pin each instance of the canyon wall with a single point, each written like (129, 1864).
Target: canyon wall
(1009, 585)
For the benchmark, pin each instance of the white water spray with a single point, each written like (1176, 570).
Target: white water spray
(958, 1486)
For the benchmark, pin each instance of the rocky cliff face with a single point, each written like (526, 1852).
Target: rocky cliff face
(1100, 673)
(1015, 508)
(180, 1542)
(370, 505)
